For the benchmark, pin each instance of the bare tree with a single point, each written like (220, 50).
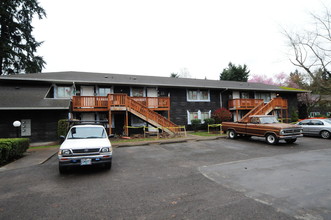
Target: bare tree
(312, 49)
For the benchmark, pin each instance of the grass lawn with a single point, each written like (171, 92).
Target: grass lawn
(40, 147)
(119, 140)
(205, 133)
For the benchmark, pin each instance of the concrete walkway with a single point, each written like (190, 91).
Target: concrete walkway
(39, 156)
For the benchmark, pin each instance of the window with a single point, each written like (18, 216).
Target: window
(197, 115)
(204, 115)
(314, 114)
(63, 92)
(104, 91)
(317, 122)
(304, 122)
(265, 96)
(198, 95)
(137, 92)
(193, 115)
(244, 95)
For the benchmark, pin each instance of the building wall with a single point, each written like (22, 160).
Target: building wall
(292, 102)
(179, 105)
(43, 123)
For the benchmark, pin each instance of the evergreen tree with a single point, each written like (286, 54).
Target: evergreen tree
(235, 73)
(17, 44)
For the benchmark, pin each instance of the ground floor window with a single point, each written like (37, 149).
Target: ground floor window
(202, 115)
(314, 114)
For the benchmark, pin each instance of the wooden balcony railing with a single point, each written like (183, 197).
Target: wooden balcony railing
(243, 104)
(246, 104)
(103, 103)
(141, 106)
(154, 102)
(264, 109)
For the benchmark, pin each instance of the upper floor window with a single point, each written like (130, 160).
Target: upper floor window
(265, 96)
(64, 92)
(244, 95)
(137, 92)
(104, 91)
(198, 95)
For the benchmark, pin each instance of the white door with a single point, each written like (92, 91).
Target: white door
(87, 90)
(151, 92)
(152, 101)
(88, 102)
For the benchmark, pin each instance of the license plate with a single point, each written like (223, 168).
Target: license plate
(85, 162)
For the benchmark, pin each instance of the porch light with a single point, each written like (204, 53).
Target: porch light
(17, 124)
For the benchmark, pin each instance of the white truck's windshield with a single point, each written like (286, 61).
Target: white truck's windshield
(86, 132)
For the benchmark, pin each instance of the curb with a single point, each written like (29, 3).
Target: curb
(47, 159)
(135, 144)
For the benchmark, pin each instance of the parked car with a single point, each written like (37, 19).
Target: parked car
(316, 127)
(85, 145)
(263, 126)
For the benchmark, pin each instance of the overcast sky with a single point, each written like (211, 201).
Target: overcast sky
(154, 37)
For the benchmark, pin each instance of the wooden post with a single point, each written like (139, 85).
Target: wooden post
(127, 123)
(110, 122)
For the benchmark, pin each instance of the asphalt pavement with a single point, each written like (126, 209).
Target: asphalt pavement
(212, 179)
(36, 156)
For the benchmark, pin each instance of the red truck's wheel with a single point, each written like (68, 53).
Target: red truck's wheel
(271, 139)
(232, 134)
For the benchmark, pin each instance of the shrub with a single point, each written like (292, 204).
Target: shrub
(294, 116)
(11, 149)
(222, 114)
(62, 127)
(209, 121)
(195, 123)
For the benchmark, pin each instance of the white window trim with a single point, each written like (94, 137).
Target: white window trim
(56, 90)
(198, 100)
(199, 116)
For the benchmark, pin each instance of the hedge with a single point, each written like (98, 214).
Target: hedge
(12, 148)
(62, 127)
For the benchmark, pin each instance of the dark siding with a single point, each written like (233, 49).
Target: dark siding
(292, 102)
(43, 123)
(180, 105)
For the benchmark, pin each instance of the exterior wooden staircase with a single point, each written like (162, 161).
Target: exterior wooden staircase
(150, 116)
(135, 105)
(265, 108)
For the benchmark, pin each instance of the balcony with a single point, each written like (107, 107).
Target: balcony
(248, 104)
(104, 103)
(243, 104)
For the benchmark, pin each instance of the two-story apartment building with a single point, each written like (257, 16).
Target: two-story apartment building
(40, 100)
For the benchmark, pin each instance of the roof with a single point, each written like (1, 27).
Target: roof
(140, 80)
(29, 97)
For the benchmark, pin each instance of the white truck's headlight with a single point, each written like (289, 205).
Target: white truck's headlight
(105, 149)
(65, 152)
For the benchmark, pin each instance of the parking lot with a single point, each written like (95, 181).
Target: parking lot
(216, 179)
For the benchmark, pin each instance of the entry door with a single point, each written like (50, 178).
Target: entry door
(87, 90)
(152, 98)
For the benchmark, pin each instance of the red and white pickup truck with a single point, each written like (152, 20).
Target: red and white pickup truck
(263, 126)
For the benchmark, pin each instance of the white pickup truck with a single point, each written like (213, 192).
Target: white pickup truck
(85, 145)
